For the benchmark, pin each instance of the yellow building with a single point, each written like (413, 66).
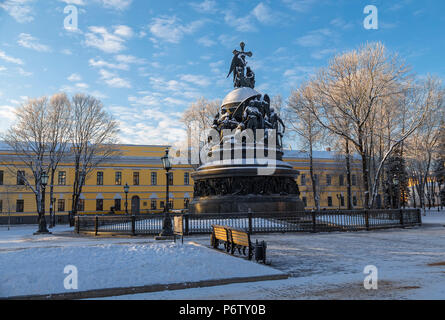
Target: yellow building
(330, 172)
(140, 167)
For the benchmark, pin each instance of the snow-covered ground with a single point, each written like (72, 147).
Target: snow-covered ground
(35, 264)
(410, 263)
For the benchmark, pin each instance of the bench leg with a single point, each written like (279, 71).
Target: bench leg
(214, 242)
(250, 253)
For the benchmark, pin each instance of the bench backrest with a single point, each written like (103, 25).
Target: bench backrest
(240, 237)
(220, 233)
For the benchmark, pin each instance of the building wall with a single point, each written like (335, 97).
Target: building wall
(145, 160)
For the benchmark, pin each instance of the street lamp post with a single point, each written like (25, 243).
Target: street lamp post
(167, 224)
(126, 189)
(51, 212)
(339, 198)
(42, 221)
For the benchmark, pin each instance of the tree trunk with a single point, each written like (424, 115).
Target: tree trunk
(314, 186)
(348, 175)
(41, 210)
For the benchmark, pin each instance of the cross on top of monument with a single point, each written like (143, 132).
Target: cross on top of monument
(242, 52)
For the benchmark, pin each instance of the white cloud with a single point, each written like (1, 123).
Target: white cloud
(105, 74)
(171, 30)
(75, 89)
(340, 23)
(215, 66)
(74, 77)
(7, 118)
(300, 5)
(110, 4)
(75, 2)
(104, 64)
(206, 41)
(207, 6)
(322, 53)
(129, 59)
(113, 80)
(174, 87)
(102, 39)
(147, 123)
(10, 59)
(82, 85)
(228, 41)
(297, 74)
(23, 72)
(19, 10)
(27, 41)
(123, 31)
(263, 13)
(195, 79)
(116, 4)
(66, 52)
(3, 68)
(314, 38)
(242, 24)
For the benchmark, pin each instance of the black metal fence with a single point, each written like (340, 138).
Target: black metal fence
(303, 221)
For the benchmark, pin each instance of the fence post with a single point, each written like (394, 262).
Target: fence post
(77, 220)
(133, 225)
(401, 218)
(367, 219)
(186, 224)
(249, 215)
(314, 222)
(419, 217)
(96, 225)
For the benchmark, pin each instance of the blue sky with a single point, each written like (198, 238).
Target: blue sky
(148, 60)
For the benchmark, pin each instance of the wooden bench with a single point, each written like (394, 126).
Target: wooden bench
(220, 234)
(234, 239)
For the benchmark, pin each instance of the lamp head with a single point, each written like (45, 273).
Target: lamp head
(165, 161)
(44, 178)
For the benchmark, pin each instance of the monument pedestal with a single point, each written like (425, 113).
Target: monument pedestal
(231, 187)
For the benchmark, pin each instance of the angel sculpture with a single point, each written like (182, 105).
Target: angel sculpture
(238, 66)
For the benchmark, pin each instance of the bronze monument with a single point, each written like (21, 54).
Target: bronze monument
(245, 171)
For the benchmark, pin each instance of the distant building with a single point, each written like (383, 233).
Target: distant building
(140, 167)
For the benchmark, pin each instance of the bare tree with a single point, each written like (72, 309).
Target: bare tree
(93, 138)
(59, 118)
(350, 91)
(28, 138)
(198, 118)
(424, 144)
(303, 122)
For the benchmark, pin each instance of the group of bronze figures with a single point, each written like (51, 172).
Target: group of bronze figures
(257, 114)
(259, 185)
(253, 113)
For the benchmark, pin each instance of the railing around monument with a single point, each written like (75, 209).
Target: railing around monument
(264, 222)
